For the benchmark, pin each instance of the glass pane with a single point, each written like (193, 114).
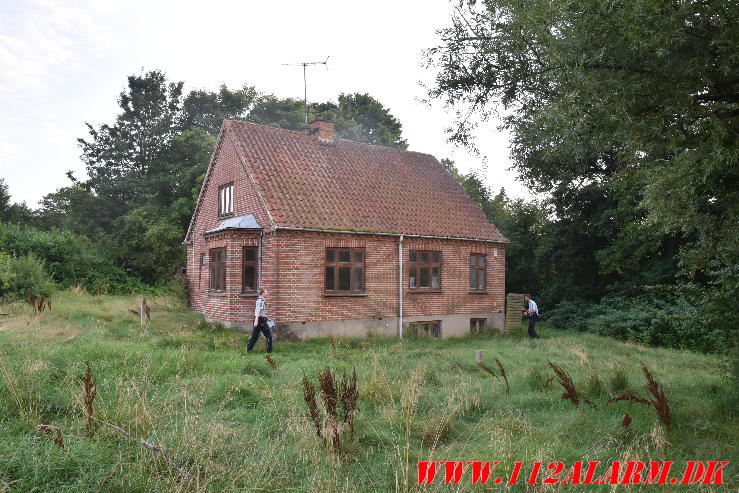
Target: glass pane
(412, 278)
(423, 258)
(435, 278)
(435, 329)
(434, 258)
(412, 257)
(423, 277)
(481, 260)
(345, 276)
(330, 255)
(481, 325)
(358, 257)
(480, 279)
(473, 260)
(250, 278)
(473, 279)
(329, 278)
(345, 256)
(358, 278)
(250, 255)
(473, 326)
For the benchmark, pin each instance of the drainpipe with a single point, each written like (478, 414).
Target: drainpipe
(259, 274)
(400, 286)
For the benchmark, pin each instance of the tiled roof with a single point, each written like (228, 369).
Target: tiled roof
(348, 185)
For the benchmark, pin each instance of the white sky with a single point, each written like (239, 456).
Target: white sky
(63, 62)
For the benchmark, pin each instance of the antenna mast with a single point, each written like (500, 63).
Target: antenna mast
(305, 84)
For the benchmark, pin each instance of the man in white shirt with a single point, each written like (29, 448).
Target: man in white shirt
(533, 313)
(260, 322)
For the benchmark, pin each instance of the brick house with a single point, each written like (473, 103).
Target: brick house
(348, 238)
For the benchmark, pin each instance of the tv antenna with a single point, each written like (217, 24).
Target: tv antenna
(305, 84)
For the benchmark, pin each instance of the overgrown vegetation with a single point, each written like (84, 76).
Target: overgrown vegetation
(180, 406)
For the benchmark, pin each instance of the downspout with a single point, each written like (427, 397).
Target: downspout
(400, 286)
(259, 278)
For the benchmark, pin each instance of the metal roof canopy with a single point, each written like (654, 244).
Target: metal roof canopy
(240, 222)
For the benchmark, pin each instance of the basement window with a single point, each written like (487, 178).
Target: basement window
(218, 270)
(432, 328)
(226, 200)
(477, 325)
(344, 271)
(424, 270)
(249, 265)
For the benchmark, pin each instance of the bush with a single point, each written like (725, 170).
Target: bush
(69, 259)
(19, 275)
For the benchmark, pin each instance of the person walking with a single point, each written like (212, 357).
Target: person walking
(260, 323)
(533, 312)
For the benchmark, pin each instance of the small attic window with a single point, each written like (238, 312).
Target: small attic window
(226, 200)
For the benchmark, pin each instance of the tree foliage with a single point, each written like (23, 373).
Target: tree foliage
(625, 116)
(144, 170)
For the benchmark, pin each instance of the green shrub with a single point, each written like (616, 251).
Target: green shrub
(19, 275)
(69, 259)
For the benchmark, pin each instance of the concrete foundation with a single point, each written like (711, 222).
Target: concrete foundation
(453, 325)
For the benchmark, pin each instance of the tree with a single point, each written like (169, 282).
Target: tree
(358, 117)
(120, 157)
(595, 89)
(206, 110)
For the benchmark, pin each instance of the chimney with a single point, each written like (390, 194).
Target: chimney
(323, 130)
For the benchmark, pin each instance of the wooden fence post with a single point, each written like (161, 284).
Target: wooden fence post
(478, 356)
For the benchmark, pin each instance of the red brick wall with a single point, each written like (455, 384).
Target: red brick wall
(226, 168)
(300, 259)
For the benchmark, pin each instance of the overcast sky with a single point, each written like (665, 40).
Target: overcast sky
(62, 63)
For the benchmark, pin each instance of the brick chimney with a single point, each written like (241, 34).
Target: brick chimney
(323, 130)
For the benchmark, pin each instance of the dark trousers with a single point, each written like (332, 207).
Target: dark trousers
(533, 318)
(260, 327)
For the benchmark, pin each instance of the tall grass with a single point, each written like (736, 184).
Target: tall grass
(232, 423)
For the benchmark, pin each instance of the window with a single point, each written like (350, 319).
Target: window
(432, 328)
(344, 272)
(218, 270)
(477, 325)
(200, 270)
(226, 200)
(424, 270)
(478, 268)
(249, 265)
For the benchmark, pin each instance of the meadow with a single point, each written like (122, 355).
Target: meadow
(231, 421)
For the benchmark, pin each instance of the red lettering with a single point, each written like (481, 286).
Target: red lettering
(453, 472)
(693, 473)
(592, 467)
(658, 473)
(713, 475)
(515, 473)
(426, 471)
(534, 473)
(632, 475)
(574, 474)
(553, 478)
(481, 471)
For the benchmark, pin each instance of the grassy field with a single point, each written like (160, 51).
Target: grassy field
(234, 423)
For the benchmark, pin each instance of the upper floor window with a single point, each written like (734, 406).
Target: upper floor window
(424, 270)
(344, 271)
(249, 265)
(226, 200)
(478, 270)
(218, 269)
